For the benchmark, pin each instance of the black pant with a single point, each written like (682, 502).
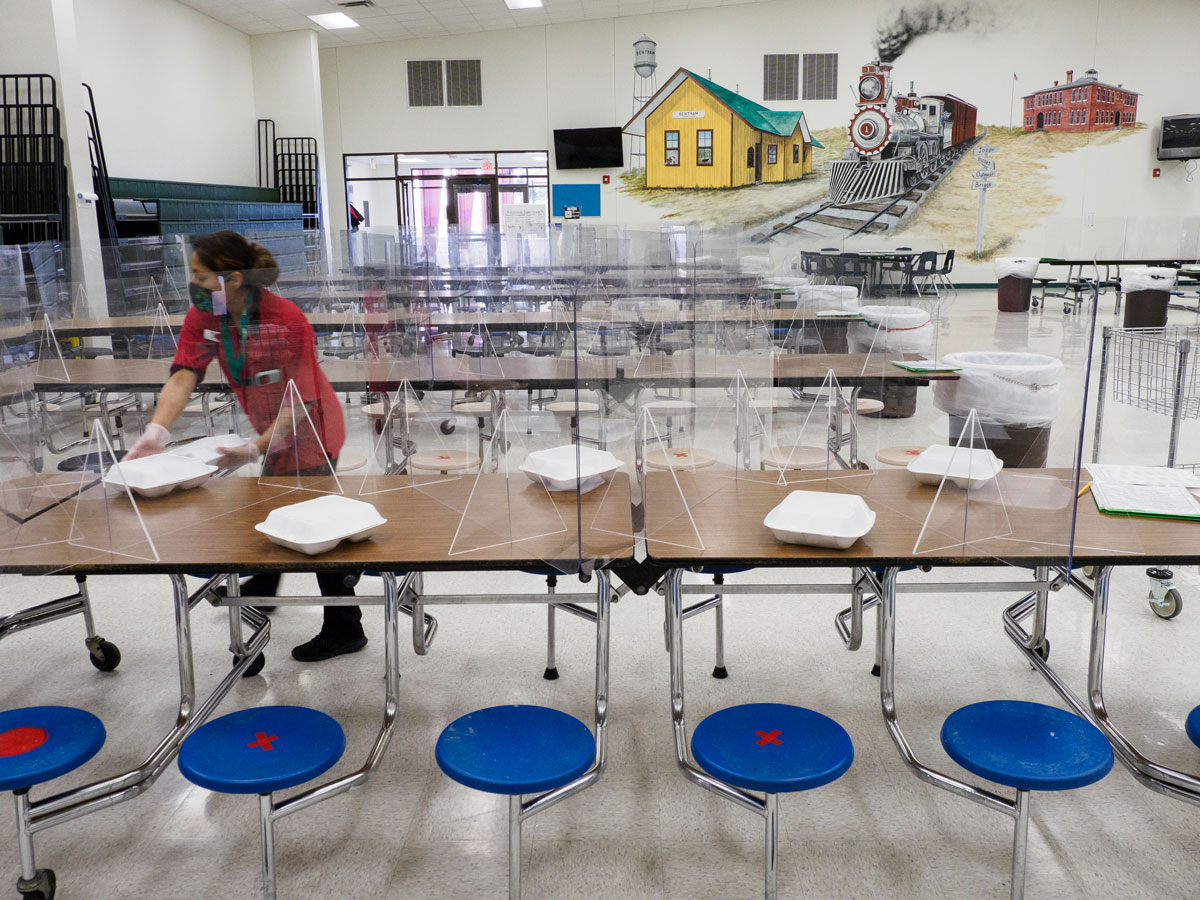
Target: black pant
(343, 621)
(339, 620)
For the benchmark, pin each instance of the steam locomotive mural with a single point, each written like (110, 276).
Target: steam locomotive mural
(896, 141)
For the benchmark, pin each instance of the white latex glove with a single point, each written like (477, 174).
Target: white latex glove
(153, 440)
(235, 457)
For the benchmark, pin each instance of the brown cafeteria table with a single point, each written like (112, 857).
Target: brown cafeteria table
(722, 525)
(210, 529)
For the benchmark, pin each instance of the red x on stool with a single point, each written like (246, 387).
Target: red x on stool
(263, 740)
(768, 737)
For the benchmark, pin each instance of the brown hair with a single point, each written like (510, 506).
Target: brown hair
(226, 252)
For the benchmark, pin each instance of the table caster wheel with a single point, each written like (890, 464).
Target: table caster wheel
(1089, 571)
(255, 667)
(1066, 309)
(1169, 607)
(40, 887)
(447, 426)
(104, 655)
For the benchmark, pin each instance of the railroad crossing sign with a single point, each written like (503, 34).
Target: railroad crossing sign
(983, 180)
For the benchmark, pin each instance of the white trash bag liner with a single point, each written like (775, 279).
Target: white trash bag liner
(827, 296)
(890, 329)
(1020, 266)
(1144, 278)
(1003, 388)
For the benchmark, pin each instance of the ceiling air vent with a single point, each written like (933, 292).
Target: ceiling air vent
(356, 4)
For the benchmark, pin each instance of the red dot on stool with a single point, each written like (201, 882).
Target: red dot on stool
(16, 741)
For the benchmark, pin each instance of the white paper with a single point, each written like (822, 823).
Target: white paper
(1152, 475)
(1170, 500)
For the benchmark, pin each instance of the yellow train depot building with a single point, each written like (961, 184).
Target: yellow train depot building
(701, 135)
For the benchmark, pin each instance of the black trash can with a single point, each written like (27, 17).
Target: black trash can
(899, 400)
(1013, 293)
(1017, 446)
(1146, 309)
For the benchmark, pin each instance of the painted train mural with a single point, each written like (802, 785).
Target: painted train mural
(897, 140)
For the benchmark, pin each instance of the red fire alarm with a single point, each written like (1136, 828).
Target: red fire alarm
(1156, 173)
(606, 177)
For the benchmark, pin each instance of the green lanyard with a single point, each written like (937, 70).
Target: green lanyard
(238, 362)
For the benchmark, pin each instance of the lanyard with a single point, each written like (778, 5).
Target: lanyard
(237, 362)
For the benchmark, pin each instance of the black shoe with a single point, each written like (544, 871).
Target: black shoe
(325, 646)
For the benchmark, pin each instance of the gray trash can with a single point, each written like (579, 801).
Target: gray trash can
(1147, 293)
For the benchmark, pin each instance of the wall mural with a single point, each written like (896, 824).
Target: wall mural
(907, 162)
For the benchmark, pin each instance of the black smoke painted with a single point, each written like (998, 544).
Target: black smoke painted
(911, 22)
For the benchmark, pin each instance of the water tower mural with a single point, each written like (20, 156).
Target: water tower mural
(645, 84)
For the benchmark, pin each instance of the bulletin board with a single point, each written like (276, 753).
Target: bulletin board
(585, 196)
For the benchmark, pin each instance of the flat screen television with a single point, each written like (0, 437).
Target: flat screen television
(1180, 138)
(588, 148)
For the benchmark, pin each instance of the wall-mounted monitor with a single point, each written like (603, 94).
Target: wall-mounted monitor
(1180, 138)
(588, 148)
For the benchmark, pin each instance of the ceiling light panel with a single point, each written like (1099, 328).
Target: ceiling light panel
(330, 21)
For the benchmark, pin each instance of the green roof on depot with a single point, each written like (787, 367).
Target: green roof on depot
(755, 114)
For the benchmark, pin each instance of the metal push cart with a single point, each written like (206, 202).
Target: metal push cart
(1156, 369)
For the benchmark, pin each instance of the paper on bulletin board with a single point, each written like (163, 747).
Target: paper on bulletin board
(524, 218)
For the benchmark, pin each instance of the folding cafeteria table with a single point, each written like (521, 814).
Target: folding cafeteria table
(727, 513)
(211, 529)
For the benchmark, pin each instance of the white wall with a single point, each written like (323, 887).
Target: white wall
(174, 90)
(580, 74)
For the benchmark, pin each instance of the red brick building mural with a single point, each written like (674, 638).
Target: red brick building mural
(1086, 104)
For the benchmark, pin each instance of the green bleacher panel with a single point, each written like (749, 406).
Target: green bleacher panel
(144, 189)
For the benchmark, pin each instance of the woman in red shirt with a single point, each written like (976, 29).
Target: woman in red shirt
(263, 344)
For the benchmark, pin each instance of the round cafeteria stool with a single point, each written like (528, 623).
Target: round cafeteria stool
(1028, 747)
(671, 458)
(900, 455)
(38, 744)
(444, 461)
(1192, 725)
(865, 406)
(348, 461)
(379, 409)
(669, 407)
(774, 748)
(259, 751)
(800, 456)
(571, 407)
(515, 750)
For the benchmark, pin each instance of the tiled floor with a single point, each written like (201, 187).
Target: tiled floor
(642, 831)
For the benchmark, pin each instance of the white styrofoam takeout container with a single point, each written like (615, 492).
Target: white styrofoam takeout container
(821, 519)
(967, 467)
(205, 449)
(558, 470)
(157, 475)
(318, 525)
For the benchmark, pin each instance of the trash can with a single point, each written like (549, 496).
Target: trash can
(812, 298)
(1147, 292)
(891, 330)
(1014, 283)
(1015, 397)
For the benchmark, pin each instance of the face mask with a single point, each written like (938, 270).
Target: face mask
(209, 301)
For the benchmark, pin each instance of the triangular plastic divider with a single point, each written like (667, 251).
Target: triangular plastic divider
(968, 506)
(32, 504)
(409, 426)
(162, 335)
(504, 506)
(50, 364)
(668, 340)
(479, 353)
(735, 421)
(105, 515)
(828, 424)
(799, 336)
(296, 457)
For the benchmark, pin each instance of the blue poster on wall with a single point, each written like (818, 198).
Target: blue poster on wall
(584, 196)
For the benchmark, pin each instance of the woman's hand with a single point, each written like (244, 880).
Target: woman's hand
(153, 440)
(232, 458)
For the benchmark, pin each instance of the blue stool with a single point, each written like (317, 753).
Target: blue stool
(773, 748)
(516, 750)
(1192, 725)
(1029, 747)
(38, 744)
(260, 750)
